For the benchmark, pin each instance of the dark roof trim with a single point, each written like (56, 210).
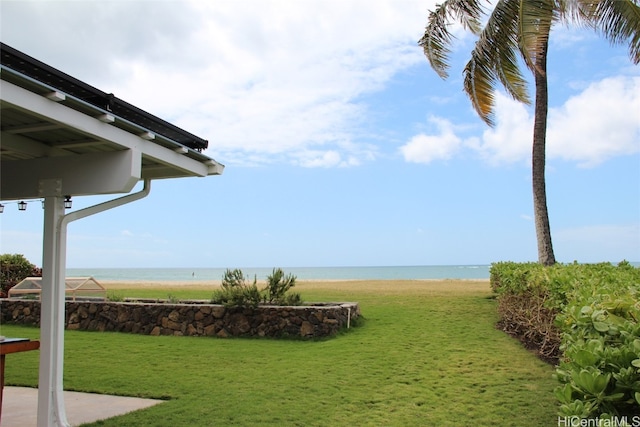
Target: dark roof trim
(22, 63)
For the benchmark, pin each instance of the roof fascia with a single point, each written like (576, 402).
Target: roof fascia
(49, 110)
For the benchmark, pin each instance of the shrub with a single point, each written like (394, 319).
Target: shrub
(114, 296)
(277, 287)
(600, 368)
(591, 313)
(13, 269)
(236, 290)
(527, 307)
(292, 299)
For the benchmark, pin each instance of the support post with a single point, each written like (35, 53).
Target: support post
(51, 408)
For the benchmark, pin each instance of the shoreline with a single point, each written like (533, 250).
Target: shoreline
(311, 274)
(337, 284)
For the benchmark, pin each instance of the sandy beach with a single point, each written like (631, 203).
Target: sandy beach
(453, 285)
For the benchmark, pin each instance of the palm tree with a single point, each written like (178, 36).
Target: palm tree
(521, 28)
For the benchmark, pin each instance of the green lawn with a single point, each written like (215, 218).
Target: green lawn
(427, 354)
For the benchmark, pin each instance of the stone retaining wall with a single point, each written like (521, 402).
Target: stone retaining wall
(193, 319)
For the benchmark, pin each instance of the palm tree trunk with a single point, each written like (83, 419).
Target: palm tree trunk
(541, 215)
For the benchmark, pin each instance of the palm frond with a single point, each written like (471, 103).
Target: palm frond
(495, 59)
(575, 11)
(479, 85)
(501, 36)
(437, 38)
(618, 20)
(436, 41)
(468, 13)
(511, 77)
(534, 21)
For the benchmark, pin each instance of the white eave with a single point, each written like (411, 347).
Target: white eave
(48, 134)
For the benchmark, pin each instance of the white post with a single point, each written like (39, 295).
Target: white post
(51, 408)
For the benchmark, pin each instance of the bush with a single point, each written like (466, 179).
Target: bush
(236, 290)
(527, 306)
(277, 287)
(591, 314)
(115, 296)
(13, 269)
(600, 368)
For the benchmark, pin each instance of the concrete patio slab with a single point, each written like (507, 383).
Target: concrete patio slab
(20, 406)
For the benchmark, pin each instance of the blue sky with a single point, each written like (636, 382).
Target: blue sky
(342, 147)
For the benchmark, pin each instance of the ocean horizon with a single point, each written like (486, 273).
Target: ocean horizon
(480, 271)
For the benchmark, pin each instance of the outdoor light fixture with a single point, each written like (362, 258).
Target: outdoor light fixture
(22, 206)
(1, 208)
(67, 202)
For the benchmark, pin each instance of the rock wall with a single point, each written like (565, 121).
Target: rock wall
(192, 319)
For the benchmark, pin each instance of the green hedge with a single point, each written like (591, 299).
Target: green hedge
(588, 316)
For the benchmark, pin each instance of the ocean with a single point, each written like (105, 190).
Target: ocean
(301, 273)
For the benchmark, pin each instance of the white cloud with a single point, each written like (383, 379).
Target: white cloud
(597, 124)
(591, 127)
(280, 81)
(320, 159)
(291, 74)
(424, 148)
(600, 123)
(510, 140)
(269, 80)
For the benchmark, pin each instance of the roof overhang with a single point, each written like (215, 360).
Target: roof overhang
(49, 134)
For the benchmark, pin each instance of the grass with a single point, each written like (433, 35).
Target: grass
(427, 353)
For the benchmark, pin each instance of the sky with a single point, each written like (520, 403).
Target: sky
(342, 146)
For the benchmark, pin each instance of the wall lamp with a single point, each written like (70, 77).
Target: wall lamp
(22, 206)
(67, 202)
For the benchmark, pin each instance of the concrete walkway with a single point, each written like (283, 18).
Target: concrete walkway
(20, 406)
